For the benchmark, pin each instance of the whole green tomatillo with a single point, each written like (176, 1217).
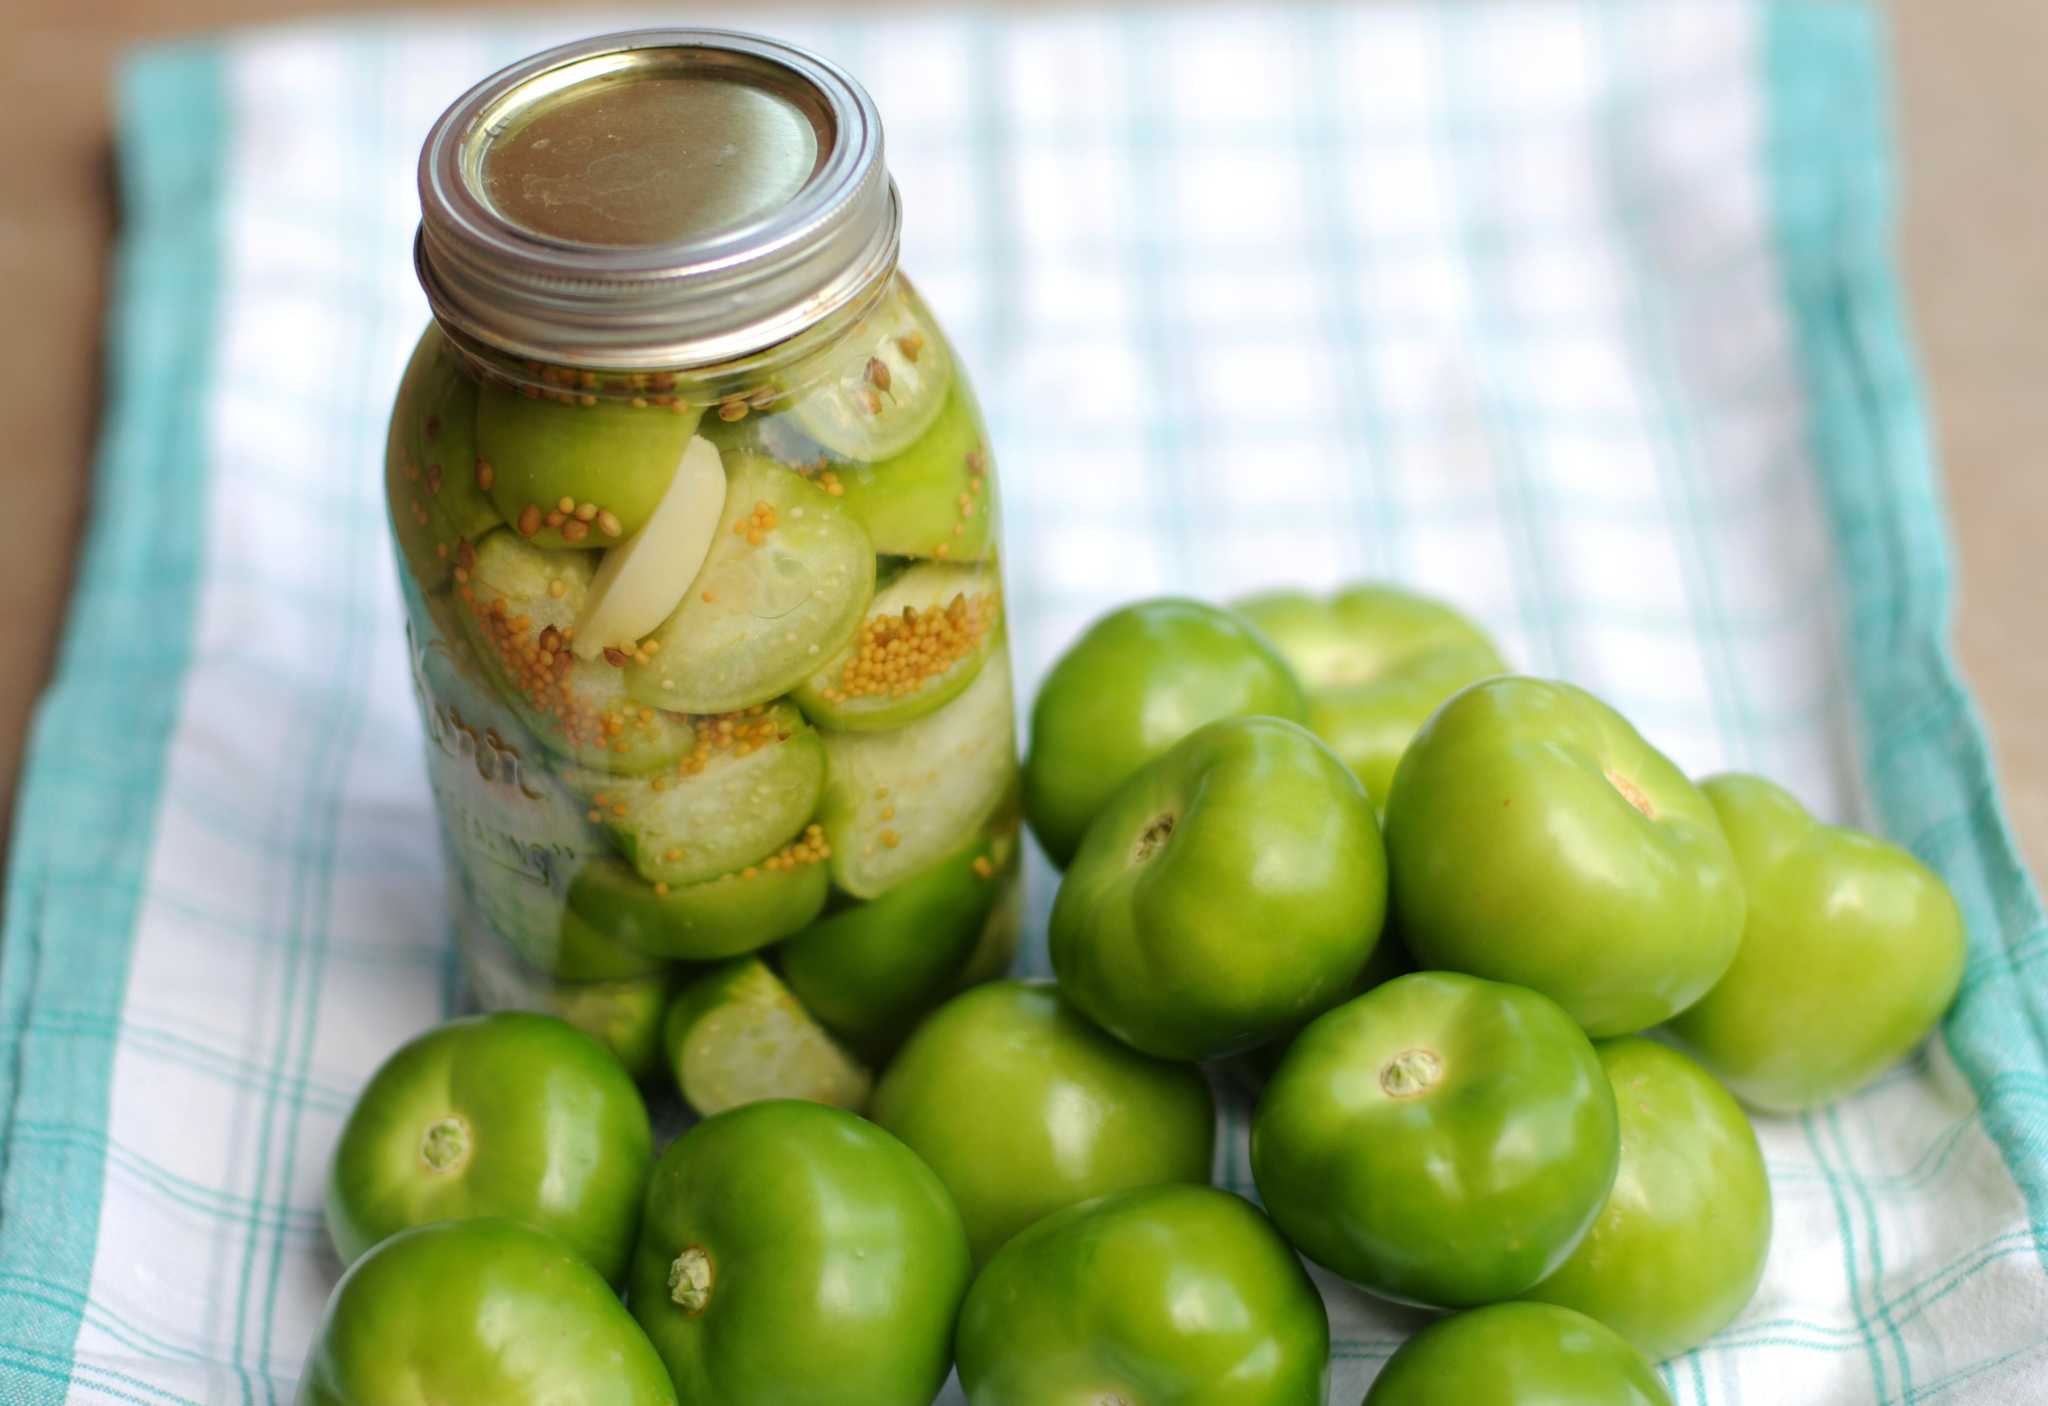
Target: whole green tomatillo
(478, 1313)
(1534, 837)
(1140, 679)
(1517, 1354)
(793, 1252)
(512, 1115)
(1852, 952)
(1376, 660)
(1679, 1248)
(1233, 888)
(1168, 1295)
(1440, 1140)
(1023, 1108)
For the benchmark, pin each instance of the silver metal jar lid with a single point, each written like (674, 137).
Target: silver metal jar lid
(656, 199)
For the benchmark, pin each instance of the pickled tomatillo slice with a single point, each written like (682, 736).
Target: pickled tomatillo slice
(519, 608)
(430, 462)
(736, 1035)
(574, 949)
(622, 1015)
(734, 913)
(897, 802)
(885, 384)
(870, 971)
(741, 794)
(565, 474)
(1231, 889)
(509, 1114)
(925, 636)
(935, 499)
(783, 588)
(642, 580)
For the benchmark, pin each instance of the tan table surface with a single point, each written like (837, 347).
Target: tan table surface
(1975, 132)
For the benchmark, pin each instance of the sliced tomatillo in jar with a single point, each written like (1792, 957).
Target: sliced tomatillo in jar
(509, 1114)
(742, 793)
(897, 802)
(792, 1252)
(570, 470)
(735, 913)
(926, 634)
(995, 949)
(519, 608)
(870, 971)
(450, 479)
(934, 499)
(430, 463)
(623, 1015)
(782, 590)
(736, 1035)
(882, 385)
(578, 950)
(642, 580)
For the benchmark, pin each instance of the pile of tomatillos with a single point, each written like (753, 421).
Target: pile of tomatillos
(1429, 908)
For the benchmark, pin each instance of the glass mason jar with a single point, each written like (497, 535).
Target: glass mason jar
(696, 523)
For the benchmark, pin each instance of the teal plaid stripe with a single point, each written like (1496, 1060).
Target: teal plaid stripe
(85, 819)
(1924, 747)
(1464, 295)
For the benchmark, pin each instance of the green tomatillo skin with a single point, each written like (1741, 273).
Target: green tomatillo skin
(1534, 837)
(1680, 1246)
(728, 916)
(871, 970)
(1168, 1295)
(1232, 888)
(796, 1255)
(543, 449)
(1440, 1140)
(1361, 633)
(1024, 1108)
(513, 1115)
(1160, 1296)
(1517, 1354)
(1376, 660)
(1852, 952)
(479, 1313)
(1140, 679)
